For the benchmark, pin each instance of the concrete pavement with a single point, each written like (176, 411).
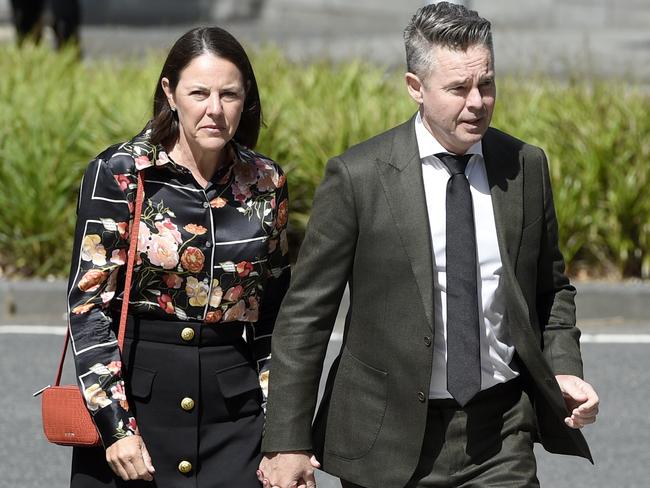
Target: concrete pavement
(619, 441)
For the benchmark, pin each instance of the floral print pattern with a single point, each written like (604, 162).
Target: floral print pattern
(215, 255)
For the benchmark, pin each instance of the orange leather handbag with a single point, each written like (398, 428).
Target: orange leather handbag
(66, 420)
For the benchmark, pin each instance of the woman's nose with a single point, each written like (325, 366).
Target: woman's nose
(214, 105)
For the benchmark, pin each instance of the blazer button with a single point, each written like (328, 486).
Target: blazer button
(422, 397)
(185, 467)
(187, 404)
(187, 334)
(427, 341)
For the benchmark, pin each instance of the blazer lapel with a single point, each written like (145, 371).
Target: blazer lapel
(505, 177)
(401, 177)
(507, 189)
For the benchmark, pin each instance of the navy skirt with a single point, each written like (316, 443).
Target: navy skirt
(195, 393)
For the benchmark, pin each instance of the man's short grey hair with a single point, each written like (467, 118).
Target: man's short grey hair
(445, 25)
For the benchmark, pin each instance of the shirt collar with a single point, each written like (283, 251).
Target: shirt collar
(428, 145)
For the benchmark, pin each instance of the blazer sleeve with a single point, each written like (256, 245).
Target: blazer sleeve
(555, 294)
(308, 313)
(99, 254)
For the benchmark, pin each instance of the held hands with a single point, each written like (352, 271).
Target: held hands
(293, 469)
(581, 400)
(130, 460)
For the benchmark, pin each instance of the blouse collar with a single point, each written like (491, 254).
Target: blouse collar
(146, 154)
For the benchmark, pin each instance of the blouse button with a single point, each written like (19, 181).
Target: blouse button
(187, 404)
(187, 334)
(206, 204)
(185, 467)
(208, 244)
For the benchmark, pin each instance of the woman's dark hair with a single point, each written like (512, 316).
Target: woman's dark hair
(192, 44)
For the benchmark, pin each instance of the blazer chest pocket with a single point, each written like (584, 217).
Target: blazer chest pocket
(530, 245)
(357, 408)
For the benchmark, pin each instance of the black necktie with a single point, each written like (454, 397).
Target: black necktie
(463, 354)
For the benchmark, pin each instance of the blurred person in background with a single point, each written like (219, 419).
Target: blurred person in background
(460, 348)
(182, 405)
(28, 19)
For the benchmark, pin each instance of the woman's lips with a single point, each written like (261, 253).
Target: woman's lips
(213, 128)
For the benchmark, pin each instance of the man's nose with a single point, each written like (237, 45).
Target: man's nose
(474, 98)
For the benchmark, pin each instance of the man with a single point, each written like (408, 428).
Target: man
(27, 16)
(460, 347)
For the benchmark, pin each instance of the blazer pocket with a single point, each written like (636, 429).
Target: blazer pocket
(141, 382)
(357, 408)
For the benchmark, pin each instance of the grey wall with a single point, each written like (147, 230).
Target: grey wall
(556, 37)
(571, 14)
(151, 12)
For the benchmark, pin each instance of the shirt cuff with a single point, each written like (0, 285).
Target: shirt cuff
(114, 423)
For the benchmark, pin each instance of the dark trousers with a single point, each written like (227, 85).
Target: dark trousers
(489, 443)
(28, 19)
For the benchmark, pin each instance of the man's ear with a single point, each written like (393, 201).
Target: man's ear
(414, 86)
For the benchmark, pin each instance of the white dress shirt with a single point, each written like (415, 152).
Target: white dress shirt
(495, 345)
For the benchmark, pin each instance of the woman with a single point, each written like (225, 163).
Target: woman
(182, 404)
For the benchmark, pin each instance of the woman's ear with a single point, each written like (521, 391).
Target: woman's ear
(164, 83)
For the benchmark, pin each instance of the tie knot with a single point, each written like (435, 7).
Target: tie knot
(456, 164)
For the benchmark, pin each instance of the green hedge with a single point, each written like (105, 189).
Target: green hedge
(57, 114)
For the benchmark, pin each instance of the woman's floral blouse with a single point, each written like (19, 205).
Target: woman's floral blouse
(215, 255)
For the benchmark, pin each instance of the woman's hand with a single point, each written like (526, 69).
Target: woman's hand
(130, 460)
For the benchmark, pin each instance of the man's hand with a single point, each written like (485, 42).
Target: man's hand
(130, 460)
(581, 400)
(292, 469)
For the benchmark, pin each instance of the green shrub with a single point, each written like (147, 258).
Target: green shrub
(597, 138)
(57, 114)
(317, 111)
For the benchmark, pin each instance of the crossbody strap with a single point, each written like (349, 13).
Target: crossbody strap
(133, 244)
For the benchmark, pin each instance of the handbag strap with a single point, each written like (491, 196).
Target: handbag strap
(139, 198)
